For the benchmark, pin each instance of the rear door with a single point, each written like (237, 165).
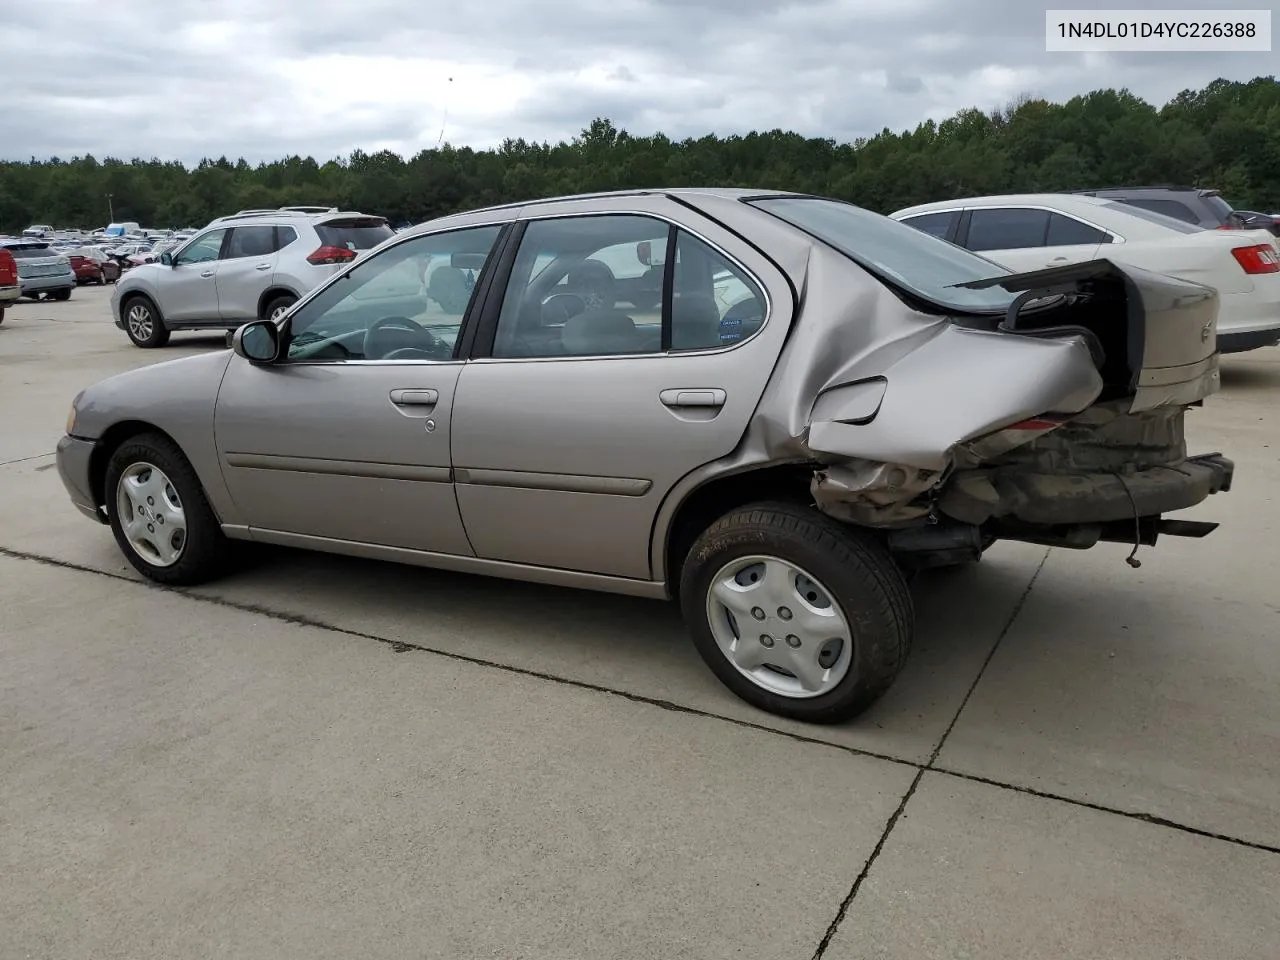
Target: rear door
(246, 270)
(582, 408)
(188, 290)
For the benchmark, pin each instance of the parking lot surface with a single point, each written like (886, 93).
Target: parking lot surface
(323, 757)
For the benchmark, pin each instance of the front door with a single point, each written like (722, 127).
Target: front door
(245, 272)
(189, 290)
(597, 397)
(348, 438)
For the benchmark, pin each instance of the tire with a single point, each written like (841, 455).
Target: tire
(277, 305)
(143, 324)
(63, 294)
(849, 576)
(152, 465)
(102, 278)
(1, 313)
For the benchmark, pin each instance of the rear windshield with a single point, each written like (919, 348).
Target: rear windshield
(27, 252)
(354, 234)
(1139, 213)
(895, 253)
(1219, 206)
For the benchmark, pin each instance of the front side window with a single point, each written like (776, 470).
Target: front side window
(404, 303)
(1007, 228)
(203, 249)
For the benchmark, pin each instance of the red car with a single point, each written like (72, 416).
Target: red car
(9, 289)
(94, 266)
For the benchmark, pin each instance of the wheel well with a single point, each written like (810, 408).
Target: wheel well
(111, 438)
(712, 500)
(270, 295)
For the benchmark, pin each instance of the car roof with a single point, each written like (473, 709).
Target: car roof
(723, 193)
(1062, 200)
(290, 214)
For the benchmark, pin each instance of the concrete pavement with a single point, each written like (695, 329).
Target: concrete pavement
(1080, 760)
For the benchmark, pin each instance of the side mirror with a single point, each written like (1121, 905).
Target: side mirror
(166, 259)
(258, 342)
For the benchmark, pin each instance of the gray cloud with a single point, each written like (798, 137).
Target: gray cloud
(182, 79)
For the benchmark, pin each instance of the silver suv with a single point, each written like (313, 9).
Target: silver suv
(248, 266)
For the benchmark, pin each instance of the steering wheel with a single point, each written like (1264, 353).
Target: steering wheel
(594, 282)
(427, 341)
(559, 307)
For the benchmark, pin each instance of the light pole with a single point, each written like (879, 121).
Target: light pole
(111, 208)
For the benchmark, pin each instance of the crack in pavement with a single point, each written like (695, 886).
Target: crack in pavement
(38, 456)
(929, 766)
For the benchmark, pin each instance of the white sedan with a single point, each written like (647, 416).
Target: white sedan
(1033, 231)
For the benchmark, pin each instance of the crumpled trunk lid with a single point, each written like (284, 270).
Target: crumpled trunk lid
(1154, 337)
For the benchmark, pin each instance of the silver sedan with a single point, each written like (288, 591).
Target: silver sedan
(771, 408)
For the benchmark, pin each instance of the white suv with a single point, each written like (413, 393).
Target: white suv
(252, 265)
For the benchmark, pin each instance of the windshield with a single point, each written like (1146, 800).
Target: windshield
(895, 253)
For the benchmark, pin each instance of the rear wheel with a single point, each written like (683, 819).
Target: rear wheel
(143, 324)
(63, 294)
(796, 613)
(276, 306)
(159, 514)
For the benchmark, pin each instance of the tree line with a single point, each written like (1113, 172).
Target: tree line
(1225, 136)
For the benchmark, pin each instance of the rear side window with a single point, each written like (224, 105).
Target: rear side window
(935, 224)
(1065, 231)
(1170, 208)
(255, 241)
(363, 234)
(1007, 228)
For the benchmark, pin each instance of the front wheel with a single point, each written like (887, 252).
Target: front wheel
(159, 514)
(145, 328)
(796, 613)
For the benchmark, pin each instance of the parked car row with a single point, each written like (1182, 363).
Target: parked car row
(767, 407)
(1042, 231)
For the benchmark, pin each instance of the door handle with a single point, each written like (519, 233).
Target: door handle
(415, 398)
(263, 266)
(207, 273)
(693, 398)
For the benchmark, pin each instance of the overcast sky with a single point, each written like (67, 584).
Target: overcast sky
(182, 79)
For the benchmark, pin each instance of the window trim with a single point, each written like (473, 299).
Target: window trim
(483, 347)
(470, 318)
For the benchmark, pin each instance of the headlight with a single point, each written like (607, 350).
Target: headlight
(64, 262)
(71, 420)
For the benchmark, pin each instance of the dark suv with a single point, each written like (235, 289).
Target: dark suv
(1203, 207)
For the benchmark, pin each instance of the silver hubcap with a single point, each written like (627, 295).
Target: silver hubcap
(139, 320)
(151, 515)
(278, 312)
(779, 627)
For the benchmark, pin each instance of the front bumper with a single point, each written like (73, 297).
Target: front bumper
(73, 457)
(1061, 499)
(34, 285)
